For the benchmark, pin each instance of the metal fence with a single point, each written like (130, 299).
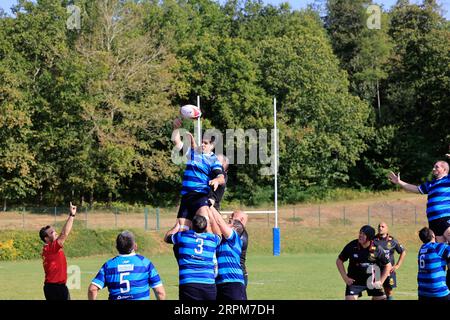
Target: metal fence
(398, 212)
(27, 218)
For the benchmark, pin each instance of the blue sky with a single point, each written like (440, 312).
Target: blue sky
(295, 4)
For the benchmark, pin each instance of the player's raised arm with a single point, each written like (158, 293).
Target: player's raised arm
(395, 179)
(224, 228)
(67, 226)
(176, 139)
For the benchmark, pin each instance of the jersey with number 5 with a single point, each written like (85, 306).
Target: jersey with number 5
(195, 256)
(128, 277)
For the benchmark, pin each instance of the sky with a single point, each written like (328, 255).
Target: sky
(295, 4)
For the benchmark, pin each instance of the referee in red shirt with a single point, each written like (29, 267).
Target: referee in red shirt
(54, 259)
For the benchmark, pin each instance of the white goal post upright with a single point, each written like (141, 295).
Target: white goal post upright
(276, 230)
(199, 125)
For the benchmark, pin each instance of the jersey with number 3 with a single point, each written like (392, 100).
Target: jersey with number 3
(196, 256)
(128, 277)
(363, 262)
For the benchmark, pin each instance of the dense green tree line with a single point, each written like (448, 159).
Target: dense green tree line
(85, 111)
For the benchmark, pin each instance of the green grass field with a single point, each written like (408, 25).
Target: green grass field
(305, 270)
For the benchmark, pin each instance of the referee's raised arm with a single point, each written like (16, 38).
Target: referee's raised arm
(67, 226)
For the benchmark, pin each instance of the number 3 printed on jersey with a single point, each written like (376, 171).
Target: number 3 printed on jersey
(199, 250)
(375, 275)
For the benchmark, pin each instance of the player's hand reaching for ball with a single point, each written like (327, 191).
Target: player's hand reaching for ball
(177, 122)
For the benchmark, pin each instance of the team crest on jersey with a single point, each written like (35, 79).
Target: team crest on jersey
(391, 281)
(372, 257)
(389, 245)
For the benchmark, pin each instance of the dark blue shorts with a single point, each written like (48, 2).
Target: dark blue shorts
(439, 225)
(231, 291)
(197, 291)
(190, 203)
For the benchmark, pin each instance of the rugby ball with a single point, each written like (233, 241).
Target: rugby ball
(190, 111)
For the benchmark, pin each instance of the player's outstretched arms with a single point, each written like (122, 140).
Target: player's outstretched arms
(395, 179)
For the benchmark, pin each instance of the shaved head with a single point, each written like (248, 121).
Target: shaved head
(444, 165)
(383, 228)
(240, 216)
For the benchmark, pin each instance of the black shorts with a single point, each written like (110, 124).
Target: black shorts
(439, 225)
(197, 291)
(190, 203)
(354, 290)
(231, 291)
(56, 291)
(391, 281)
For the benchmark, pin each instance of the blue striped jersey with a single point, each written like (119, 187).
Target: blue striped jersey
(432, 260)
(196, 256)
(128, 277)
(229, 260)
(438, 190)
(199, 170)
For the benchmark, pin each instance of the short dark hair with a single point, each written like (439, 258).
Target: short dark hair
(199, 224)
(426, 234)
(368, 231)
(239, 227)
(125, 242)
(43, 233)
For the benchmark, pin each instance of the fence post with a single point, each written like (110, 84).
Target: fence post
(145, 218)
(157, 218)
(115, 218)
(415, 215)
(293, 215)
(55, 214)
(392, 215)
(319, 214)
(86, 214)
(344, 215)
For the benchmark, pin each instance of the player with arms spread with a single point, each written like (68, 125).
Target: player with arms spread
(365, 262)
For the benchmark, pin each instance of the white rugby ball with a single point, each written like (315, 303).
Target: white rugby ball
(190, 111)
